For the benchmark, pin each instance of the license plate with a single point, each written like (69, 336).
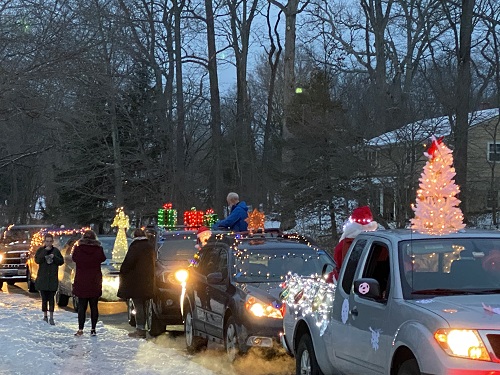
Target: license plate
(21, 272)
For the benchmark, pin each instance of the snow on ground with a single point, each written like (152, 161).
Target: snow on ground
(28, 345)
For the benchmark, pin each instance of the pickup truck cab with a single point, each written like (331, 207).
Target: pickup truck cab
(404, 303)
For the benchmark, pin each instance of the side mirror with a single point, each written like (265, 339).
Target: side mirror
(367, 288)
(215, 278)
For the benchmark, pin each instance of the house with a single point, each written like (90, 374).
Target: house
(397, 160)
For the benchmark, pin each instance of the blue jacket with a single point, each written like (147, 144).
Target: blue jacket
(236, 219)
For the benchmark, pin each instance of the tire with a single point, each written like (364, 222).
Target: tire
(10, 282)
(130, 312)
(305, 360)
(193, 343)
(231, 340)
(31, 283)
(156, 325)
(61, 299)
(409, 367)
(75, 303)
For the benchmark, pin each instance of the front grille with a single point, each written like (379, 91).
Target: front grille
(495, 344)
(14, 258)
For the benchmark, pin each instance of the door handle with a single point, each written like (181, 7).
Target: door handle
(354, 311)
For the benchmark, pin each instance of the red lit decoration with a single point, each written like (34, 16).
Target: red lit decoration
(193, 218)
(434, 147)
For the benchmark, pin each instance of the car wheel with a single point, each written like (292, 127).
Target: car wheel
(131, 312)
(10, 282)
(156, 325)
(409, 367)
(75, 303)
(193, 343)
(61, 299)
(31, 284)
(231, 340)
(305, 360)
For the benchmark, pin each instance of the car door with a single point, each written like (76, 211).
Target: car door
(370, 326)
(199, 287)
(218, 294)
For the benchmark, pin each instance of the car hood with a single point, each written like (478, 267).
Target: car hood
(267, 292)
(469, 311)
(110, 268)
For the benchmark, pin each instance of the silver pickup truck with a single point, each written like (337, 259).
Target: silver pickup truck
(404, 304)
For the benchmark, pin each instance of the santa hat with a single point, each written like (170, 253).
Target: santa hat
(361, 220)
(203, 234)
(201, 230)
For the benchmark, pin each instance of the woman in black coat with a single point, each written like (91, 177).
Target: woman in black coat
(137, 278)
(49, 258)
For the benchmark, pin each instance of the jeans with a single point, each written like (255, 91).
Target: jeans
(141, 306)
(82, 311)
(47, 298)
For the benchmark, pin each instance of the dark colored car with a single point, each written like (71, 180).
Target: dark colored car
(232, 295)
(176, 249)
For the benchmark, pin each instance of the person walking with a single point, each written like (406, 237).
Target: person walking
(88, 255)
(137, 278)
(238, 214)
(49, 259)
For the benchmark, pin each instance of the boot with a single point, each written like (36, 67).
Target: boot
(138, 333)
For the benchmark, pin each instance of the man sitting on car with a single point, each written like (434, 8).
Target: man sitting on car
(236, 219)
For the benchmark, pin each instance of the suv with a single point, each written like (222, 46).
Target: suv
(176, 249)
(405, 303)
(232, 294)
(14, 249)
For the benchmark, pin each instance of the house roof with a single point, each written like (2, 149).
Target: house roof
(422, 130)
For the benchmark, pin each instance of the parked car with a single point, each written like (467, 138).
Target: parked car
(14, 248)
(64, 240)
(232, 295)
(405, 303)
(176, 249)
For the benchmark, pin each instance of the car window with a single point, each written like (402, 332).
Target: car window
(451, 264)
(209, 261)
(378, 267)
(273, 264)
(177, 249)
(352, 264)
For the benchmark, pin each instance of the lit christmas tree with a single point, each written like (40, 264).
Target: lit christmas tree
(436, 209)
(121, 246)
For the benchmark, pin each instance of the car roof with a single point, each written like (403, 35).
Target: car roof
(408, 234)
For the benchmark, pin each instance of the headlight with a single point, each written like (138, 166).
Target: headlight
(259, 308)
(465, 343)
(1, 258)
(181, 276)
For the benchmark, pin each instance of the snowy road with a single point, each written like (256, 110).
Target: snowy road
(28, 345)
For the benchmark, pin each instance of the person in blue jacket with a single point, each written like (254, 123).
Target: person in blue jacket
(236, 219)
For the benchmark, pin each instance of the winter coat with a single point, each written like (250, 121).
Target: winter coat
(339, 254)
(137, 272)
(88, 256)
(46, 278)
(236, 219)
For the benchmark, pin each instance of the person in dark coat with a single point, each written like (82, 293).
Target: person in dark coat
(137, 278)
(88, 255)
(49, 259)
(238, 214)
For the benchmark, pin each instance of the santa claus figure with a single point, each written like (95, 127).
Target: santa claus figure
(361, 220)
(202, 237)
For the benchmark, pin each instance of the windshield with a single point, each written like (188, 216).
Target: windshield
(177, 249)
(108, 243)
(263, 265)
(449, 266)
